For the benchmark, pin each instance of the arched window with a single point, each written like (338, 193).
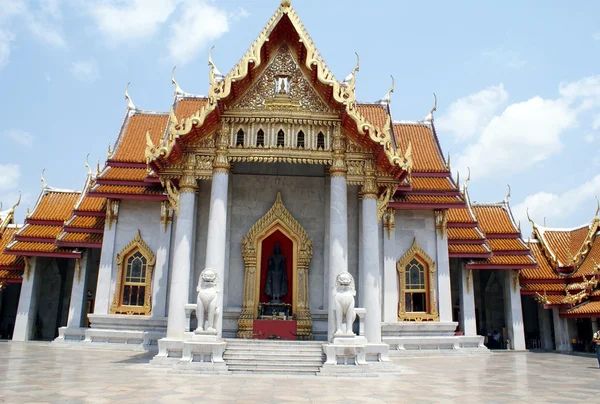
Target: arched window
(280, 138)
(300, 140)
(239, 140)
(416, 275)
(320, 141)
(135, 264)
(260, 138)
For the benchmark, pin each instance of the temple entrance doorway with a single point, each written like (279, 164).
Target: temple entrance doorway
(276, 253)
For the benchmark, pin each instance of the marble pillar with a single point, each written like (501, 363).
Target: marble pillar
(370, 276)
(513, 312)
(161, 269)
(28, 302)
(562, 332)
(545, 328)
(217, 237)
(444, 289)
(338, 239)
(106, 273)
(467, 301)
(78, 293)
(182, 265)
(391, 286)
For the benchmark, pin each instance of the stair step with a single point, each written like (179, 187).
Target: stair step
(275, 364)
(267, 351)
(252, 355)
(267, 369)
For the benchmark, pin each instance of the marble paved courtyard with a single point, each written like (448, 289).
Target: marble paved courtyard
(43, 373)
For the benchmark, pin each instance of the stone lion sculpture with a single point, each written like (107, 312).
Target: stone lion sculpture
(206, 303)
(343, 293)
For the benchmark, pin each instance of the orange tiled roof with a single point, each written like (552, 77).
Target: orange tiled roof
(433, 199)
(464, 233)
(507, 244)
(188, 106)
(131, 146)
(511, 260)
(468, 248)
(589, 265)
(124, 174)
(125, 189)
(6, 260)
(432, 183)
(55, 205)
(29, 246)
(586, 308)
(80, 238)
(565, 244)
(494, 219)
(459, 215)
(373, 113)
(541, 287)
(40, 231)
(92, 204)
(87, 222)
(11, 274)
(544, 270)
(426, 156)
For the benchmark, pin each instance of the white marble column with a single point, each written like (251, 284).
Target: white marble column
(161, 269)
(443, 276)
(467, 301)
(370, 276)
(107, 266)
(28, 303)
(182, 264)
(217, 236)
(391, 284)
(545, 327)
(78, 293)
(513, 312)
(338, 238)
(562, 332)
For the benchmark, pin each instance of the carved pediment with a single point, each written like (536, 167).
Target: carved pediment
(282, 87)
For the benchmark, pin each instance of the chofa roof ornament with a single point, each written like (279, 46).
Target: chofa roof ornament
(130, 104)
(429, 117)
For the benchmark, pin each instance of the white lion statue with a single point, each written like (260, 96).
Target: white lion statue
(206, 304)
(343, 293)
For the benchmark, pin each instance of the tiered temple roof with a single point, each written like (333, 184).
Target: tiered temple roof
(465, 238)
(568, 273)
(11, 266)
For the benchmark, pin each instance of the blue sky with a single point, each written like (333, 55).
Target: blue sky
(518, 83)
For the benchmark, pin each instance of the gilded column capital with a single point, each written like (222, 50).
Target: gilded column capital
(188, 183)
(369, 189)
(221, 163)
(338, 166)
(441, 219)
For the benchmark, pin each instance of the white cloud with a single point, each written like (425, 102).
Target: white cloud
(200, 24)
(525, 133)
(8, 8)
(6, 37)
(468, 116)
(45, 31)
(585, 91)
(589, 138)
(596, 123)
(559, 206)
(505, 57)
(129, 21)
(596, 36)
(21, 137)
(85, 70)
(9, 176)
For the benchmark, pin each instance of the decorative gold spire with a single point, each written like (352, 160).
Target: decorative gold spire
(388, 96)
(110, 151)
(130, 104)
(178, 89)
(286, 3)
(598, 208)
(214, 71)
(448, 163)
(467, 180)
(351, 78)
(88, 165)
(98, 168)
(508, 194)
(429, 117)
(529, 217)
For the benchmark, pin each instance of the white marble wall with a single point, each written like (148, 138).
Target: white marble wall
(134, 216)
(419, 224)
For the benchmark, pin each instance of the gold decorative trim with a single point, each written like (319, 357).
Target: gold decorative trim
(173, 193)
(112, 212)
(277, 218)
(384, 198)
(369, 189)
(166, 214)
(27, 267)
(137, 244)
(543, 299)
(441, 220)
(78, 269)
(389, 221)
(469, 277)
(515, 280)
(431, 314)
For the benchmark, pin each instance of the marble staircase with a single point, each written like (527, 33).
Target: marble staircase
(274, 356)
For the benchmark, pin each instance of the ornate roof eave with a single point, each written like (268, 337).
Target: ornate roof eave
(342, 92)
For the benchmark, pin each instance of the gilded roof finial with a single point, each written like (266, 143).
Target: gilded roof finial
(519, 226)
(98, 168)
(388, 96)
(178, 89)
(448, 162)
(352, 76)
(458, 178)
(286, 3)
(44, 184)
(28, 213)
(16, 204)
(110, 151)
(212, 65)
(130, 104)
(467, 180)
(357, 67)
(598, 208)
(529, 217)
(544, 221)
(88, 165)
(508, 194)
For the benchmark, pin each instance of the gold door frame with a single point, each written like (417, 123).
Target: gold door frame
(277, 218)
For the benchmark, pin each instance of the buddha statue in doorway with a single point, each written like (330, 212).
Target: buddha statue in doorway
(276, 285)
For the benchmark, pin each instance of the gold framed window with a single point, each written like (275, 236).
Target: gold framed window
(133, 292)
(416, 276)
